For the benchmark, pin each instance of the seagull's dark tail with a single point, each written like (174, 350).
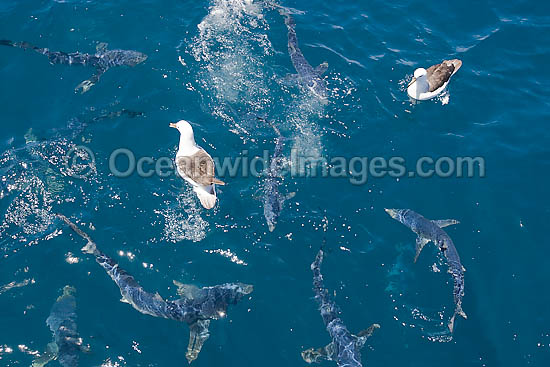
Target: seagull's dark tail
(457, 64)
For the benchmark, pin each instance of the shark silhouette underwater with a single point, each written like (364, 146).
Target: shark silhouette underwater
(196, 307)
(272, 199)
(66, 343)
(103, 60)
(345, 348)
(307, 76)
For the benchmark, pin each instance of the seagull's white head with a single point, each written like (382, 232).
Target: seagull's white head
(184, 128)
(187, 138)
(418, 73)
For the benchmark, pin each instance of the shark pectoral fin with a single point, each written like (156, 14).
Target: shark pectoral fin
(102, 46)
(49, 355)
(124, 300)
(316, 355)
(363, 335)
(321, 69)
(445, 222)
(87, 84)
(158, 297)
(420, 243)
(290, 195)
(84, 86)
(198, 334)
(367, 333)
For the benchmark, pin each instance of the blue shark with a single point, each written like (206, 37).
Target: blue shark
(66, 343)
(272, 198)
(345, 348)
(101, 61)
(431, 230)
(196, 307)
(308, 76)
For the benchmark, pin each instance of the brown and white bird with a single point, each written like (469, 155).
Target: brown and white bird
(196, 166)
(427, 84)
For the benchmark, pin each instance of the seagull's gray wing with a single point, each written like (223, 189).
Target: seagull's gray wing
(199, 167)
(440, 74)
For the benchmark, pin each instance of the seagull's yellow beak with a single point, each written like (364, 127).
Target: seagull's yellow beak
(412, 82)
(174, 125)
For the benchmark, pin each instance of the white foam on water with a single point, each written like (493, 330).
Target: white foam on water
(228, 255)
(30, 207)
(432, 325)
(183, 220)
(444, 97)
(302, 117)
(232, 48)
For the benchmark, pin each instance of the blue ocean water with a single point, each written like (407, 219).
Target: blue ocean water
(221, 63)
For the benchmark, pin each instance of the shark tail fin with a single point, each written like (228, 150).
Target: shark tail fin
(458, 311)
(7, 43)
(456, 63)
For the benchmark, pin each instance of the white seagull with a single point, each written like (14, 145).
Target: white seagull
(196, 166)
(427, 84)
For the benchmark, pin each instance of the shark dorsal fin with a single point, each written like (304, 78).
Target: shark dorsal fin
(187, 291)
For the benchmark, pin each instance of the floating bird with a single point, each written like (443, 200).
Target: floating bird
(427, 84)
(196, 166)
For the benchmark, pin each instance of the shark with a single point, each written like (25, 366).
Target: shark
(196, 307)
(345, 348)
(66, 344)
(272, 198)
(308, 76)
(431, 231)
(102, 60)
